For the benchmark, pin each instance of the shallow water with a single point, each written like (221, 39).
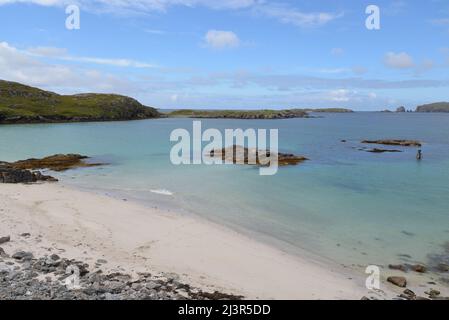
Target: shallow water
(344, 204)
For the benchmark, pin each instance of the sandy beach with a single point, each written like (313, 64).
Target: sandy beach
(134, 238)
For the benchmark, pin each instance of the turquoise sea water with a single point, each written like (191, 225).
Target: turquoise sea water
(344, 204)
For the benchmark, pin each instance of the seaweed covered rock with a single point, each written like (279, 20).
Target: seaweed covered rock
(58, 162)
(392, 142)
(241, 155)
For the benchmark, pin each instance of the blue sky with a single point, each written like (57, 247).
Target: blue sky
(232, 53)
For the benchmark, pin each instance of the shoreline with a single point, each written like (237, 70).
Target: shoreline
(212, 257)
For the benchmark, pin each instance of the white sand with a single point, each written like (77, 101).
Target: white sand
(77, 224)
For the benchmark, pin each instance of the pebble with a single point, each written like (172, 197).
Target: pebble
(25, 283)
(5, 239)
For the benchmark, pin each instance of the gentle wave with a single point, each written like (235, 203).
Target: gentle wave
(162, 192)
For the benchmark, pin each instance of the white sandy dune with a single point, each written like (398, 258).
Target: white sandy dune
(82, 225)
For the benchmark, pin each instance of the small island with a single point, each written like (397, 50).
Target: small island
(24, 104)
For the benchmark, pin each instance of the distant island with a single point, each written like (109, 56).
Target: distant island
(434, 107)
(239, 114)
(24, 104)
(330, 110)
(251, 114)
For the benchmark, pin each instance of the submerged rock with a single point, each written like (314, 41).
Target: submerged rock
(377, 150)
(419, 268)
(402, 143)
(400, 267)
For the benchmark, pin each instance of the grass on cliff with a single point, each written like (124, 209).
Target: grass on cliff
(17, 100)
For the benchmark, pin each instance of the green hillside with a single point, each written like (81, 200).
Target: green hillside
(24, 104)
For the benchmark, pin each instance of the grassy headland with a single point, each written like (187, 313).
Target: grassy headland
(24, 104)
(434, 107)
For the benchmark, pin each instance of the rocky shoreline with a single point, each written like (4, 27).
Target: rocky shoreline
(24, 171)
(51, 277)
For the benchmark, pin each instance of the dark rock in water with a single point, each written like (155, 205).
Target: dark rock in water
(377, 150)
(241, 155)
(398, 281)
(410, 234)
(400, 267)
(22, 256)
(11, 175)
(402, 143)
(401, 109)
(419, 268)
(2, 253)
(25, 235)
(5, 239)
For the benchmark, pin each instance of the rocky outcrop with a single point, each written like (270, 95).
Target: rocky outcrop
(241, 155)
(59, 162)
(24, 171)
(401, 109)
(11, 175)
(402, 143)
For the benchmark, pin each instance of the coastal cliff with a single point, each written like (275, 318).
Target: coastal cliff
(434, 107)
(23, 104)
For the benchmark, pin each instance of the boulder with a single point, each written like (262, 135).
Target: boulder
(398, 281)
(5, 239)
(22, 256)
(419, 268)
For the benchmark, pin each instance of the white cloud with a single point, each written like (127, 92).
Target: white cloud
(62, 54)
(20, 66)
(282, 12)
(140, 6)
(221, 39)
(289, 15)
(398, 60)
